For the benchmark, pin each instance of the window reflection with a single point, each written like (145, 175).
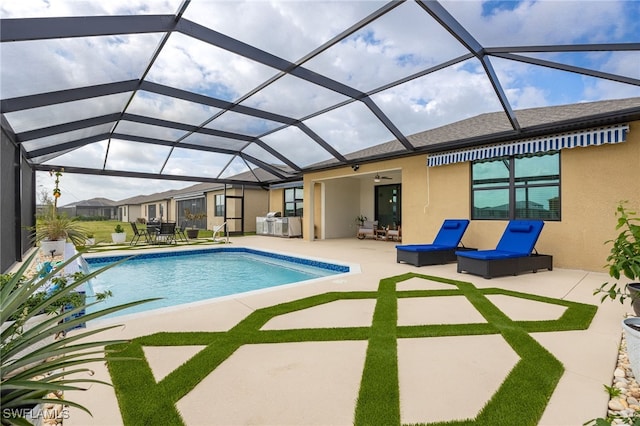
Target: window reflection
(517, 187)
(293, 201)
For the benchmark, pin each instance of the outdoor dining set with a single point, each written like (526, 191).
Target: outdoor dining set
(158, 233)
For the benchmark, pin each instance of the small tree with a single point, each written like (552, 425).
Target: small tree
(192, 217)
(624, 257)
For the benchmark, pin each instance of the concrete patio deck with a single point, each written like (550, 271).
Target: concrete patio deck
(316, 383)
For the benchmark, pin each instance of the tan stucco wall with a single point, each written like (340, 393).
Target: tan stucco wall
(256, 203)
(338, 197)
(132, 213)
(276, 200)
(593, 180)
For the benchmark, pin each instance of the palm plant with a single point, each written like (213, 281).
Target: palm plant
(59, 228)
(26, 379)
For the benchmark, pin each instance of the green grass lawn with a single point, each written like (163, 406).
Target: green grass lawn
(102, 230)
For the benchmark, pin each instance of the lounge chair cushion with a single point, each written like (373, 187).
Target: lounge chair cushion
(421, 247)
(520, 236)
(449, 224)
(369, 224)
(488, 254)
(520, 228)
(451, 232)
(518, 240)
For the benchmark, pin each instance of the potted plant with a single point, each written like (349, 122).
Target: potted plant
(624, 261)
(52, 230)
(31, 371)
(52, 233)
(360, 219)
(118, 235)
(192, 217)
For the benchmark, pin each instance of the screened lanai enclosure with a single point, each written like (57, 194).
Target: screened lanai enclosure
(206, 91)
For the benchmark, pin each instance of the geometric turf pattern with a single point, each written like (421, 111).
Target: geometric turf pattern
(529, 385)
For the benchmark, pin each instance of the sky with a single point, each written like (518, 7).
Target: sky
(399, 44)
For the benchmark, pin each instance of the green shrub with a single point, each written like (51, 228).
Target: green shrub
(30, 370)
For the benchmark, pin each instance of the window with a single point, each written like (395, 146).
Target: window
(219, 205)
(293, 201)
(195, 206)
(516, 187)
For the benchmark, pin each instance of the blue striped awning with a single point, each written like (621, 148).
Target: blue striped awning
(591, 137)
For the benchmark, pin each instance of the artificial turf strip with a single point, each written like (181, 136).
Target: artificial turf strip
(379, 398)
(521, 398)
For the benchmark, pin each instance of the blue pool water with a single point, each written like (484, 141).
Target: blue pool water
(190, 276)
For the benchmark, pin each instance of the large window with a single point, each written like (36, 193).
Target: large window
(293, 201)
(219, 198)
(194, 206)
(516, 187)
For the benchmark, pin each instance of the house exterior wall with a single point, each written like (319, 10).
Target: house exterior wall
(339, 195)
(276, 200)
(212, 220)
(131, 212)
(318, 223)
(256, 203)
(593, 180)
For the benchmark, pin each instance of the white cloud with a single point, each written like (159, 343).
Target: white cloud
(76, 188)
(403, 42)
(440, 98)
(548, 22)
(53, 8)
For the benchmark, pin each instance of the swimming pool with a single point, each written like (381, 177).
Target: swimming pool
(188, 276)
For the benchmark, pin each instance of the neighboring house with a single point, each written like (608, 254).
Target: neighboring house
(95, 207)
(573, 180)
(237, 205)
(143, 208)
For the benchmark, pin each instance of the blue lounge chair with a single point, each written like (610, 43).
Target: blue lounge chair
(513, 254)
(441, 251)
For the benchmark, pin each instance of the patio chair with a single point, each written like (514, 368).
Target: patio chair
(514, 253)
(138, 233)
(441, 251)
(167, 233)
(181, 231)
(368, 229)
(217, 230)
(394, 234)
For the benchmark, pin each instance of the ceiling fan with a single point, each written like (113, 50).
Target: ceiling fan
(378, 178)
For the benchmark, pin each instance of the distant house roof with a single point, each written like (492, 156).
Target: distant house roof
(94, 202)
(189, 190)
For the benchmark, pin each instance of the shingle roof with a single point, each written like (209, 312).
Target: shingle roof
(494, 127)
(94, 202)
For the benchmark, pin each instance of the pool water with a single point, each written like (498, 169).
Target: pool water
(184, 277)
